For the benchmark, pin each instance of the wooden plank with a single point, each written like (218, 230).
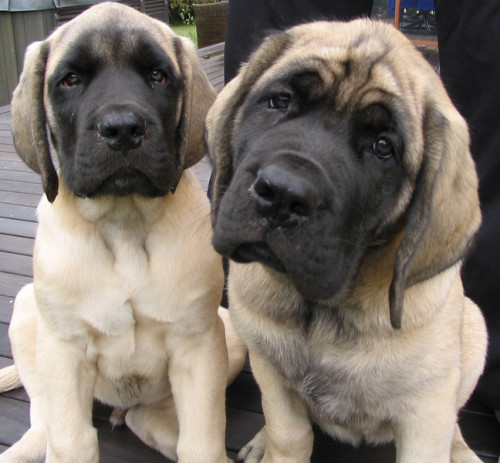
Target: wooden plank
(22, 187)
(6, 306)
(14, 211)
(16, 264)
(18, 227)
(117, 445)
(214, 75)
(482, 433)
(16, 394)
(7, 148)
(5, 362)
(16, 244)
(8, 70)
(218, 83)
(11, 284)
(15, 165)
(24, 199)
(15, 420)
(216, 48)
(5, 350)
(213, 65)
(122, 445)
(244, 394)
(9, 156)
(5, 109)
(241, 426)
(19, 176)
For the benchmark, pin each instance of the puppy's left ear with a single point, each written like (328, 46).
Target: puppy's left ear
(199, 95)
(29, 119)
(444, 213)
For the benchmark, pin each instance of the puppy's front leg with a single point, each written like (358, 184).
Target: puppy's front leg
(424, 433)
(197, 372)
(67, 379)
(289, 435)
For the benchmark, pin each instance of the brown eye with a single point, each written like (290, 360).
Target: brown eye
(383, 148)
(280, 102)
(71, 80)
(158, 76)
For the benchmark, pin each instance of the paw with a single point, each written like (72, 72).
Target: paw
(463, 454)
(30, 449)
(253, 452)
(460, 451)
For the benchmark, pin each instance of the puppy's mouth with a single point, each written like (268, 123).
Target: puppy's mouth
(257, 252)
(127, 181)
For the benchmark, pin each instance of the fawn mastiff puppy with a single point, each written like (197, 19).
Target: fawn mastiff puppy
(345, 192)
(126, 284)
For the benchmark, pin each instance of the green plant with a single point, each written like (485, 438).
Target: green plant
(186, 15)
(181, 11)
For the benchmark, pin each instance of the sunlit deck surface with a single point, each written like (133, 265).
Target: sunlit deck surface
(20, 191)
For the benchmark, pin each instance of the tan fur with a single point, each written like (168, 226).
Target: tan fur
(126, 289)
(405, 384)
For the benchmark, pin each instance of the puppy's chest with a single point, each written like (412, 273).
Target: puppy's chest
(113, 279)
(352, 388)
(132, 364)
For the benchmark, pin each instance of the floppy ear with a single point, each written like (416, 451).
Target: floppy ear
(29, 118)
(199, 95)
(221, 117)
(444, 213)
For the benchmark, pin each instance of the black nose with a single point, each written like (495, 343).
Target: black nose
(284, 194)
(122, 130)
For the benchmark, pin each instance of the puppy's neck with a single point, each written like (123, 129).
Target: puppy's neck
(121, 211)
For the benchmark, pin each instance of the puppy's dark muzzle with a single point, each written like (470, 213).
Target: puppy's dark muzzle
(122, 130)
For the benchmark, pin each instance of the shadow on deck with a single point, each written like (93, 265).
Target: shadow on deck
(20, 191)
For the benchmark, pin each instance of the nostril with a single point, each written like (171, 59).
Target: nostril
(122, 130)
(138, 130)
(264, 189)
(284, 195)
(300, 208)
(107, 131)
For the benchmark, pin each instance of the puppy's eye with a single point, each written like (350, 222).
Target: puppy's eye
(383, 148)
(280, 101)
(158, 76)
(70, 80)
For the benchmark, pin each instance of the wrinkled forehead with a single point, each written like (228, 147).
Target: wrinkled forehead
(349, 66)
(353, 66)
(115, 36)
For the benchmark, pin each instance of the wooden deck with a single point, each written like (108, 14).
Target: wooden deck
(20, 191)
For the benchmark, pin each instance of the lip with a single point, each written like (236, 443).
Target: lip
(257, 252)
(123, 182)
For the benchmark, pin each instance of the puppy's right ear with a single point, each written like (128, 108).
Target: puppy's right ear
(29, 119)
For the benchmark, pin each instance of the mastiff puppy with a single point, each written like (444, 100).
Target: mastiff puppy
(345, 193)
(126, 284)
